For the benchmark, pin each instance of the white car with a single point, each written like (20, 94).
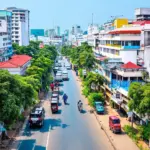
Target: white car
(58, 77)
(65, 75)
(68, 66)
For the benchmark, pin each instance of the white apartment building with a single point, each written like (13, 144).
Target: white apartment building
(5, 35)
(20, 26)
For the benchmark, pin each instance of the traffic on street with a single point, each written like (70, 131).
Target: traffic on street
(64, 129)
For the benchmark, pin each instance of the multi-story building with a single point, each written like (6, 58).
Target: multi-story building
(121, 47)
(57, 30)
(142, 14)
(20, 26)
(5, 35)
(50, 33)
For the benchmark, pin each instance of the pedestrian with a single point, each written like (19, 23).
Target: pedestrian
(52, 86)
(76, 72)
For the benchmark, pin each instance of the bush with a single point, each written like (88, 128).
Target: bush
(144, 132)
(21, 117)
(80, 73)
(95, 97)
(86, 91)
(131, 132)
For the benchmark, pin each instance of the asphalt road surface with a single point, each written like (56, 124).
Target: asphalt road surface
(66, 130)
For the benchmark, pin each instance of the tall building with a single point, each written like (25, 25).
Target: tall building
(57, 30)
(20, 26)
(5, 35)
(142, 14)
(50, 33)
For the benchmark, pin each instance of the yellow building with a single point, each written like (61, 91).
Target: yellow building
(118, 23)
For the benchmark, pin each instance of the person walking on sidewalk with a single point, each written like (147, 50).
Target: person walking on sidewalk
(52, 86)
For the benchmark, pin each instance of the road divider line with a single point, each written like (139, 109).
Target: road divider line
(48, 138)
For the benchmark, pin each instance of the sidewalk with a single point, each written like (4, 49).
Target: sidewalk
(120, 141)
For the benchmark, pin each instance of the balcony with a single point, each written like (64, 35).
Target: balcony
(121, 47)
(130, 47)
(122, 84)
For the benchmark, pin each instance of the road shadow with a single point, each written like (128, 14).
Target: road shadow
(38, 147)
(26, 144)
(67, 104)
(55, 123)
(83, 111)
(64, 126)
(61, 84)
(27, 131)
(60, 104)
(58, 112)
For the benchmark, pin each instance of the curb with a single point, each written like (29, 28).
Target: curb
(102, 127)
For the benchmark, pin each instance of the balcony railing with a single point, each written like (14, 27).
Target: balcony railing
(122, 84)
(123, 47)
(130, 47)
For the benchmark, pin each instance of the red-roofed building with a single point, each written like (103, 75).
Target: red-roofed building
(17, 64)
(130, 65)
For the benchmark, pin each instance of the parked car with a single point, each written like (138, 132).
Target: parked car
(55, 95)
(65, 75)
(114, 124)
(68, 66)
(54, 106)
(36, 117)
(58, 77)
(99, 107)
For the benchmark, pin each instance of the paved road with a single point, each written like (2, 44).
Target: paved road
(67, 130)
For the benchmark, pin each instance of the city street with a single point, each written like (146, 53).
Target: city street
(66, 130)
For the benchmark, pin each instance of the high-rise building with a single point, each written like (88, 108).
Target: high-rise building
(50, 33)
(20, 25)
(57, 30)
(5, 35)
(142, 14)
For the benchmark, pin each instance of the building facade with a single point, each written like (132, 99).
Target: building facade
(57, 30)
(6, 50)
(17, 64)
(20, 26)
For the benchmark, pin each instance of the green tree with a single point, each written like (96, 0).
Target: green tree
(140, 98)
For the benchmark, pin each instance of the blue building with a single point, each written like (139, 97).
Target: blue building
(37, 32)
(6, 50)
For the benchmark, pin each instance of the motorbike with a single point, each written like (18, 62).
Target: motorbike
(65, 97)
(80, 107)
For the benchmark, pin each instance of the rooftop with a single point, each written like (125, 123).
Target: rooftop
(141, 22)
(130, 65)
(16, 61)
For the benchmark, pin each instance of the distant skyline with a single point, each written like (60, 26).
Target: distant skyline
(65, 13)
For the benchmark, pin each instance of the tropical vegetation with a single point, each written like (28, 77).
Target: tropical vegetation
(20, 92)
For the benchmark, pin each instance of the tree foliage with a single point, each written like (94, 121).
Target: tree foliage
(19, 92)
(82, 56)
(140, 98)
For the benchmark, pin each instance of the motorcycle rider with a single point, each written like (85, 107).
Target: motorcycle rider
(65, 97)
(80, 104)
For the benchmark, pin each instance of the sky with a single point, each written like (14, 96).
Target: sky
(46, 14)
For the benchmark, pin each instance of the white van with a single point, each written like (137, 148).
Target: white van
(58, 77)
(65, 75)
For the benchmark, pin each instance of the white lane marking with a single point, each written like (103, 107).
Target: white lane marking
(48, 137)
